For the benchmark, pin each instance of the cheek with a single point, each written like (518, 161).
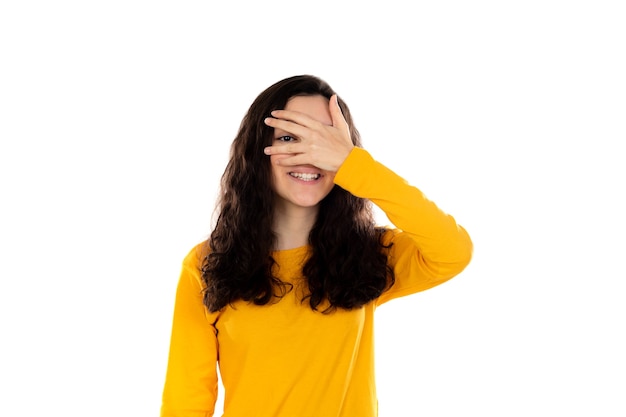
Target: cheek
(330, 178)
(275, 170)
(330, 175)
(273, 165)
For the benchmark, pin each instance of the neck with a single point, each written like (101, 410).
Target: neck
(292, 227)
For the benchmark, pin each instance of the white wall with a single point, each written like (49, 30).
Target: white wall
(115, 122)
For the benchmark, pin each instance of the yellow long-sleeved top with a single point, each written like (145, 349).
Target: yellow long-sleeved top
(286, 360)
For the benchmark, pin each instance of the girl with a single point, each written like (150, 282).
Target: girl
(281, 296)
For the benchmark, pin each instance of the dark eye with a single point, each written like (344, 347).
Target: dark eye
(286, 138)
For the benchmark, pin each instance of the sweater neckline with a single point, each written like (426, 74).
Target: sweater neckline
(290, 254)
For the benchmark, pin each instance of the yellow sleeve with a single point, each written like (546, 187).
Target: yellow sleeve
(429, 247)
(191, 379)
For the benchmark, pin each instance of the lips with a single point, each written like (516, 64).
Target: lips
(305, 176)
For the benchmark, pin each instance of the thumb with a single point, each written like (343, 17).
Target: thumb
(335, 112)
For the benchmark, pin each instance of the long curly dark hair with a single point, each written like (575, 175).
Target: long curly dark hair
(347, 266)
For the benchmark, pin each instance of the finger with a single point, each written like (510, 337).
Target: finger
(289, 148)
(289, 127)
(296, 117)
(293, 160)
(335, 112)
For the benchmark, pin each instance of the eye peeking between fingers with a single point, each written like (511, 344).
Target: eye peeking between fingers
(286, 138)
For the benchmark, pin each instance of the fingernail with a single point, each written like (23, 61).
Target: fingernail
(267, 151)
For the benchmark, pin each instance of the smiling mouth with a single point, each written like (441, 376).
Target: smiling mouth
(305, 177)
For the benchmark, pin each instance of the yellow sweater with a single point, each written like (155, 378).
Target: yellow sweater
(286, 360)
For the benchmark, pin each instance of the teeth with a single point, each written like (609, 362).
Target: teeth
(304, 177)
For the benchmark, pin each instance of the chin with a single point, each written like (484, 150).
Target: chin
(307, 203)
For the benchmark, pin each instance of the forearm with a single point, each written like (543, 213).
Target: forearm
(437, 234)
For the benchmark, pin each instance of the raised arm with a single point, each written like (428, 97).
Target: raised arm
(429, 247)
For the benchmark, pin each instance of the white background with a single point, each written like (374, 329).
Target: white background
(115, 123)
